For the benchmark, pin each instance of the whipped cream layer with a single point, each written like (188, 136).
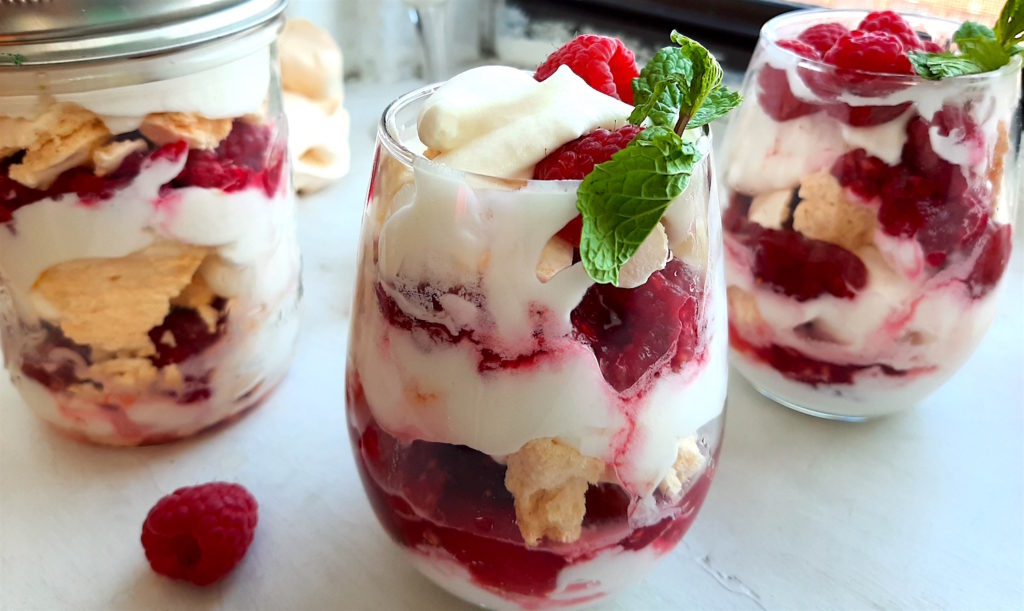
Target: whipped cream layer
(249, 230)
(498, 121)
(906, 324)
(230, 90)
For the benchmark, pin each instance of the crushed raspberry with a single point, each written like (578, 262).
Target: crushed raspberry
(775, 96)
(862, 173)
(81, 181)
(247, 157)
(800, 267)
(574, 160)
(952, 223)
(955, 122)
(604, 63)
(823, 36)
(891, 22)
(190, 332)
(865, 116)
(800, 367)
(636, 332)
(861, 57)
(45, 364)
(995, 249)
(200, 533)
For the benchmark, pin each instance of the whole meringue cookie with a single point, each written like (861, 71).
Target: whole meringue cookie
(318, 124)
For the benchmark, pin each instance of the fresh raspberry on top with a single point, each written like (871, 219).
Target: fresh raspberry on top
(891, 23)
(823, 36)
(879, 52)
(200, 533)
(604, 63)
(577, 158)
(775, 96)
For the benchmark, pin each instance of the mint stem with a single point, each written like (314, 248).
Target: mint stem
(681, 122)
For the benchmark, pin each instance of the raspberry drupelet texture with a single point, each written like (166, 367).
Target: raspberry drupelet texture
(577, 158)
(823, 36)
(891, 22)
(880, 52)
(200, 533)
(604, 63)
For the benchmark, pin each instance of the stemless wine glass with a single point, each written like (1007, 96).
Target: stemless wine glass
(869, 222)
(528, 439)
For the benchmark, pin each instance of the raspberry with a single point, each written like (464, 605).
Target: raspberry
(604, 63)
(859, 53)
(865, 116)
(636, 332)
(200, 533)
(775, 96)
(800, 267)
(863, 174)
(246, 157)
(190, 332)
(574, 160)
(890, 22)
(956, 122)
(823, 36)
(988, 269)
(929, 46)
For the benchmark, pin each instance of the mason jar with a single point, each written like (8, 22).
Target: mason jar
(528, 437)
(149, 270)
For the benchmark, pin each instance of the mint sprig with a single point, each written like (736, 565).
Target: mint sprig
(981, 49)
(623, 199)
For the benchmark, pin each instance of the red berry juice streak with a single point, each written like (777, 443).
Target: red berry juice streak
(450, 501)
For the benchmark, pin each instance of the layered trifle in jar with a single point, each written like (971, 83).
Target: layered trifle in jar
(871, 192)
(536, 408)
(148, 257)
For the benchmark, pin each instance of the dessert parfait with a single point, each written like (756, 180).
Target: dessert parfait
(537, 367)
(148, 257)
(871, 190)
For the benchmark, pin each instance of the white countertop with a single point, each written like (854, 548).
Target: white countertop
(919, 510)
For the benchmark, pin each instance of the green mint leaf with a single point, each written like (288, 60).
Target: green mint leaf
(662, 102)
(718, 104)
(970, 30)
(936, 66)
(985, 52)
(673, 86)
(624, 198)
(1009, 28)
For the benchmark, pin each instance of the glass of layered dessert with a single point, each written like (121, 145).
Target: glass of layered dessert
(149, 272)
(529, 435)
(871, 191)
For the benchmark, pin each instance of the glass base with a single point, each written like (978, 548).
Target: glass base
(807, 410)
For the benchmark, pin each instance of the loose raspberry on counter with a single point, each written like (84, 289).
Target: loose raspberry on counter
(775, 96)
(604, 63)
(823, 36)
(574, 160)
(199, 533)
(891, 22)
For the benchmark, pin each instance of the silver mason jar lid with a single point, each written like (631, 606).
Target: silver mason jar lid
(52, 32)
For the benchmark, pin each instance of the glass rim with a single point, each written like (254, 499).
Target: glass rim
(387, 138)
(770, 35)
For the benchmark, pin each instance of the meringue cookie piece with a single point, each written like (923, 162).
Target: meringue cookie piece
(318, 141)
(318, 125)
(310, 61)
